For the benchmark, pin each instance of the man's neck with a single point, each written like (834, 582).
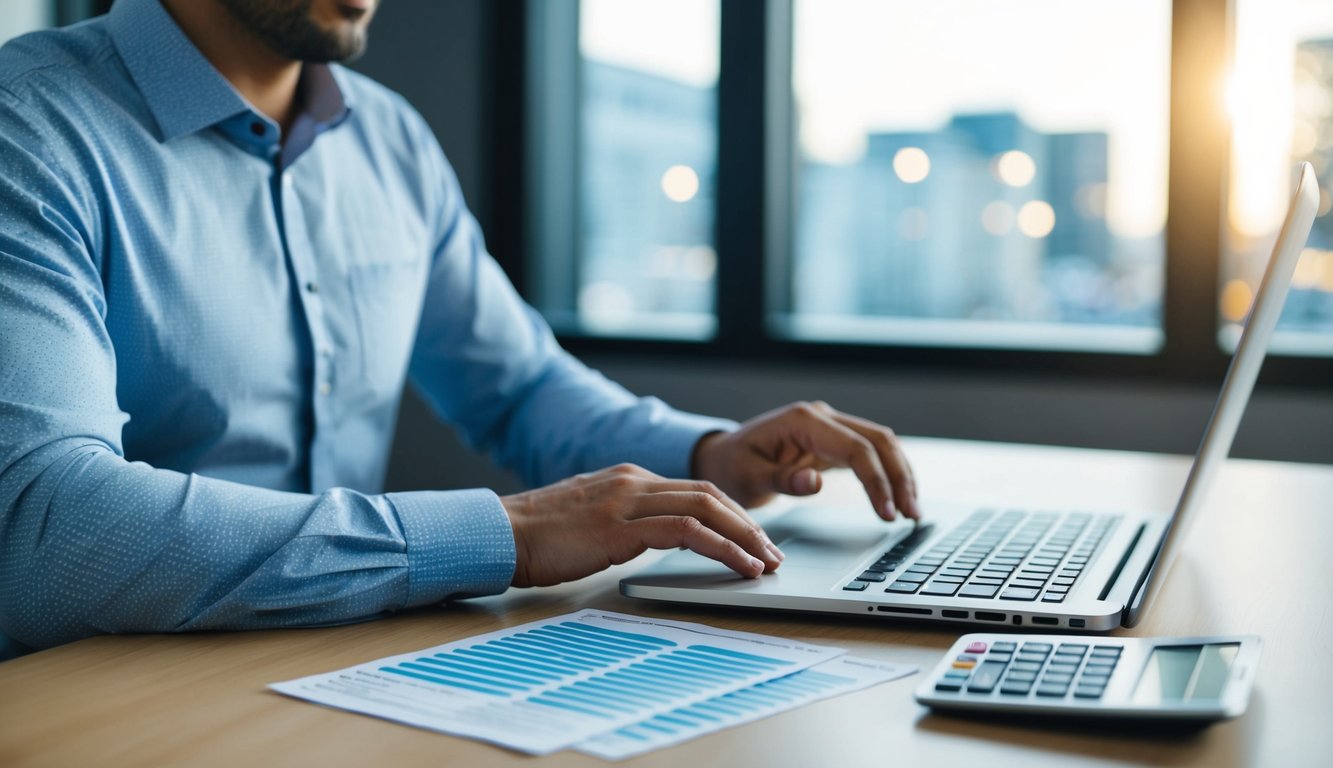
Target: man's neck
(265, 78)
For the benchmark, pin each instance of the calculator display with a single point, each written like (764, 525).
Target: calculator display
(1182, 673)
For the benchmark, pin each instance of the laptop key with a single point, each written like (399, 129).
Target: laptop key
(940, 588)
(917, 577)
(1052, 597)
(856, 586)
(979, 590)
(905, 587)
(1019, 593)
(872, 576)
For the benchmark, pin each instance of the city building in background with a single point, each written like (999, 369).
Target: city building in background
(984, 219)
(649, 159)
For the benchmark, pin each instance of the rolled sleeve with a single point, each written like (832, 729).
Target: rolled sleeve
(459, 544)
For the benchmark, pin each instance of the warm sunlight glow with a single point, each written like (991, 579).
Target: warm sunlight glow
(1015, 168)
(1036, 218)
(1236, 299)
(912, 164)
(680, 183)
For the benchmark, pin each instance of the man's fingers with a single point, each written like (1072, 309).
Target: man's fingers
(891, 456)
(801, 478)
(670, 531)
(731, 523)
(833, 440)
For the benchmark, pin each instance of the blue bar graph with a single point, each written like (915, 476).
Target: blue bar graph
(530, 662)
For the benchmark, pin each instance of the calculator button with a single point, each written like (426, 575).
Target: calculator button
(964, 664)
(1005, 657)
(856, 586)
(1015, 689)
(1095, 664)
(1004, 647)
(1052, 690)
(1022, 676)
(949, 685)
(1025, 666)
(977, 647)
(979, 590)
(1061, 669)
(1089, 691)
(1071, 648)
(1019, 593)
(1042, 648)
(1106, 650)
(903, 586)
(960, 674)
(986, 677)
(872, 576)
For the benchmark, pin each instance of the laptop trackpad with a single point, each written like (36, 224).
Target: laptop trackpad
(834, 553)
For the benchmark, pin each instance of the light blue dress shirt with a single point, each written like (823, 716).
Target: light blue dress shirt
(204, 334)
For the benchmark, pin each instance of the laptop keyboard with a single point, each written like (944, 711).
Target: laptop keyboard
(1012, 555)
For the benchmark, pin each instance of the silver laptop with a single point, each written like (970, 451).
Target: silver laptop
(1072, 570)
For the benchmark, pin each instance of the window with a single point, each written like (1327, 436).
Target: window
(23, 16)
(645, 259)
(981, 173)
(1030, 184)
(1280, 101)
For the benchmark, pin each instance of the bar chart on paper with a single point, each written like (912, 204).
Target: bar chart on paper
(548, 685)
(831, 678)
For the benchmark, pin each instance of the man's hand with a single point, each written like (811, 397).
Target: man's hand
(783, 451)
(589, 522)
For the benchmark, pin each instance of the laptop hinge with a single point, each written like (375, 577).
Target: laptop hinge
(1120, 566)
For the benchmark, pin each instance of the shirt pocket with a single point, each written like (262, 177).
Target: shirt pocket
(386, 299)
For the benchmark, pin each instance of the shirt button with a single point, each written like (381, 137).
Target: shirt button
(257, 128)
(311, 287)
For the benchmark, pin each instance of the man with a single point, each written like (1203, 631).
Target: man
(220, 258)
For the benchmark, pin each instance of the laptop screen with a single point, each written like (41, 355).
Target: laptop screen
(1236, 387)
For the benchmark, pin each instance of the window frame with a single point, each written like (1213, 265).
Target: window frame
(755, 198)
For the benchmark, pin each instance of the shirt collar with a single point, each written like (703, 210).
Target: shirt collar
(183, 90)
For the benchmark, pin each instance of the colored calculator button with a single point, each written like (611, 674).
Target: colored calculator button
(977, 647)
(964, 664)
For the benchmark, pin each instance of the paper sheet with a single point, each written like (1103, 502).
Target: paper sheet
(831, 678)
(551, 684)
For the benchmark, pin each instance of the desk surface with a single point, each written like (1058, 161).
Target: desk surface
(1258, 565)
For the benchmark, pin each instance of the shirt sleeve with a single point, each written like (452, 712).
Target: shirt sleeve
(91, 542)
(488, 362)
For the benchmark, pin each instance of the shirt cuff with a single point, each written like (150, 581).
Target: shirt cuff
(459, 544)
(669, 451)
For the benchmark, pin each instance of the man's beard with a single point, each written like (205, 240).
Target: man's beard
(289, 30)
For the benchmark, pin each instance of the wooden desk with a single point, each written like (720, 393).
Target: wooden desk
(1259, 565)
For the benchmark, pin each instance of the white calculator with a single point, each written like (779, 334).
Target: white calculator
(1173, 678)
